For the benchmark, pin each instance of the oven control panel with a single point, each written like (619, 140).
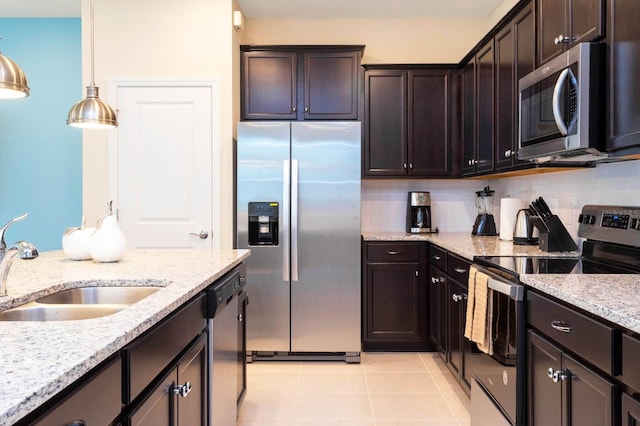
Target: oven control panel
(614, 224)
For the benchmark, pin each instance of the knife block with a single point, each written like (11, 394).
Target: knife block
(553, 235)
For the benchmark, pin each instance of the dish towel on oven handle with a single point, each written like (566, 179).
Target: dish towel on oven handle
(479, 311)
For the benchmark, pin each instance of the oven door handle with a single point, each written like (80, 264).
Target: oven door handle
(514, 291)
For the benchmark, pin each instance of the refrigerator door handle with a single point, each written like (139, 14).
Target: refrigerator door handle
(286, 204)
(294, 220)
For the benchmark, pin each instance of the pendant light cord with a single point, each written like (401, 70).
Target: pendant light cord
(93, 83)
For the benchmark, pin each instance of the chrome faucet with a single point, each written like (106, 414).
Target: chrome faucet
(21, 249)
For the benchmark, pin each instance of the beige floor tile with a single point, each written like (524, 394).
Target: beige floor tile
(387, 362)
(278, 407)
(273, 366)
(331, 366)
(433, 362)
(278, 382)
(401, 382)
(332, 407)
(415, 423)
(447, 383)
(332, 382)
(460, 405)
(413, 407)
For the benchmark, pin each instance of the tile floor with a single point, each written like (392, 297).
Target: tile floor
(385, 389)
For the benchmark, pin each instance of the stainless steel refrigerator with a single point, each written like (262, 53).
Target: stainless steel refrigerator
(298, 211)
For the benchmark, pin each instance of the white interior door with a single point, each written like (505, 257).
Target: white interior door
(164, 166)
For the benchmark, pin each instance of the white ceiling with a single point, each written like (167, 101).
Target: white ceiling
(288, 8)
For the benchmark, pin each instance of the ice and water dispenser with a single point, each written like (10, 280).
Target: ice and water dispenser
(263, 223)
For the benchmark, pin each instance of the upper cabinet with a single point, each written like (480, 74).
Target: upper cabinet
(563, 23)
(407, 122)
(300, 83)
(623, 84)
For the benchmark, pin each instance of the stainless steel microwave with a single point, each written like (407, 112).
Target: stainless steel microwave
(561, 108)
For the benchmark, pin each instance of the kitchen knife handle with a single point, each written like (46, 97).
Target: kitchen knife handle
(294, 220)
(286, 204)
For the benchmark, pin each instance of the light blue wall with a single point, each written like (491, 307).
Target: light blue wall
(40, 156)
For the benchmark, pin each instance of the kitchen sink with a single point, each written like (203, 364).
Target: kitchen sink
(99, 295)
(37, 312)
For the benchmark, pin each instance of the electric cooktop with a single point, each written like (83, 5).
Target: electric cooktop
(551, 265)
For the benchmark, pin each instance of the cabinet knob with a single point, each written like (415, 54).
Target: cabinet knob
(240, 317)
(456, 297)
(561, 39)
(507, 153)
(411, 165)
(404, 165)
(182, 390)
(77, 423)
(306, 109)
(294, 109)
(556, 376)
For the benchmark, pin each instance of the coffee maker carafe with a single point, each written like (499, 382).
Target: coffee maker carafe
(485, 223)
(419, 212)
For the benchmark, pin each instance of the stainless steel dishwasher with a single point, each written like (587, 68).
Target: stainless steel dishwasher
(225, 343)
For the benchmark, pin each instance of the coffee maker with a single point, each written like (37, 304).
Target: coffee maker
(418, 212)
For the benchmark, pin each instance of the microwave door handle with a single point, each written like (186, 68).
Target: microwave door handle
(557, 115)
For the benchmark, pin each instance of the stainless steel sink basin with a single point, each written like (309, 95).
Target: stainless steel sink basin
(36, 312)
(99, 295)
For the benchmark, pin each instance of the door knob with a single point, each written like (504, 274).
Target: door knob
(203, 235)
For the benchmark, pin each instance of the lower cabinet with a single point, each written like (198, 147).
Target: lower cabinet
(179, 397)
(630, 411)
(394, 296)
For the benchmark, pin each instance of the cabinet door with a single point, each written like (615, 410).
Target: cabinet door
(192, 370)
(485, 108)
(468, 119)
(544, 397)
(331, 85)
(630, 411)
(395, 304)
(455, 299)
(269, 85)
(243, 301)
(505, 97)
(438, 310)
(158, 409)
(589, 396)
(623, 114)
(385, 138)
(428, 122)
(586, 20)
(551, 24)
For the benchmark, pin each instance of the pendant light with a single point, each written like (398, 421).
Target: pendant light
(13, 82)
(91, 112)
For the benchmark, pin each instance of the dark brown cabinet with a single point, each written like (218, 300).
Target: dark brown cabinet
(300, 83)
(563, 23)
(394, 315)
(515, 58)
(560, 388)
(630, 411)
(478, 151)
(407, 122)
(438, 295)
(623, 85)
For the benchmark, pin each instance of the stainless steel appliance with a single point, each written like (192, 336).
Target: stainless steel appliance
(561, 114)
(524, 233)
(419, 212)
(226, 358)
(612, 246)
(298, 186)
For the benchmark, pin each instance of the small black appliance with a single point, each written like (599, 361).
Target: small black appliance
(485, 224)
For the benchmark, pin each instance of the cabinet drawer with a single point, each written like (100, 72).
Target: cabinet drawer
(438, 257)
(150, 354)
(630, 357)
(458, 269)
(96, 401)
(393, 252)
(586, 337)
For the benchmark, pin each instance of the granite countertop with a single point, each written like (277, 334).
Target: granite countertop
(38, 359)
(615, 298)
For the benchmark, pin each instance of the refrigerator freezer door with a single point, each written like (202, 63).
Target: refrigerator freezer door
(262, 171)
(325, 299)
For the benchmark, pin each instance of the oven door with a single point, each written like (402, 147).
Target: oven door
(498, 380)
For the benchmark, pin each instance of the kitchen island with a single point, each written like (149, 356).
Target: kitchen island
(40, 359)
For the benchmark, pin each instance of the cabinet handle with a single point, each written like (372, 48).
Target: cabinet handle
(561, 39)
(411, 165)
(436, 257)
(508, 153)
(77, 423)
(182, 390)
(459, 270)
(561, 326)
(456, 297)
(556, 376)
(240, 317)
(393, 253)
(404, 165)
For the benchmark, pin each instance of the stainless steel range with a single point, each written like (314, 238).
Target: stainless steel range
(612, 246)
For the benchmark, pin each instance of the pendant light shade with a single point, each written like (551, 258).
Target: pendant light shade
(13, 82)
(91, 112)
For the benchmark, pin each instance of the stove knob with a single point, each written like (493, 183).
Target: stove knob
(592, 220)
(581, 218)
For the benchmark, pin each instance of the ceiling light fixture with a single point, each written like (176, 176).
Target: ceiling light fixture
(13, 82)
(91, 112)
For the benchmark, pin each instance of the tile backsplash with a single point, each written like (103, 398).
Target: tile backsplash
(384, 202)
